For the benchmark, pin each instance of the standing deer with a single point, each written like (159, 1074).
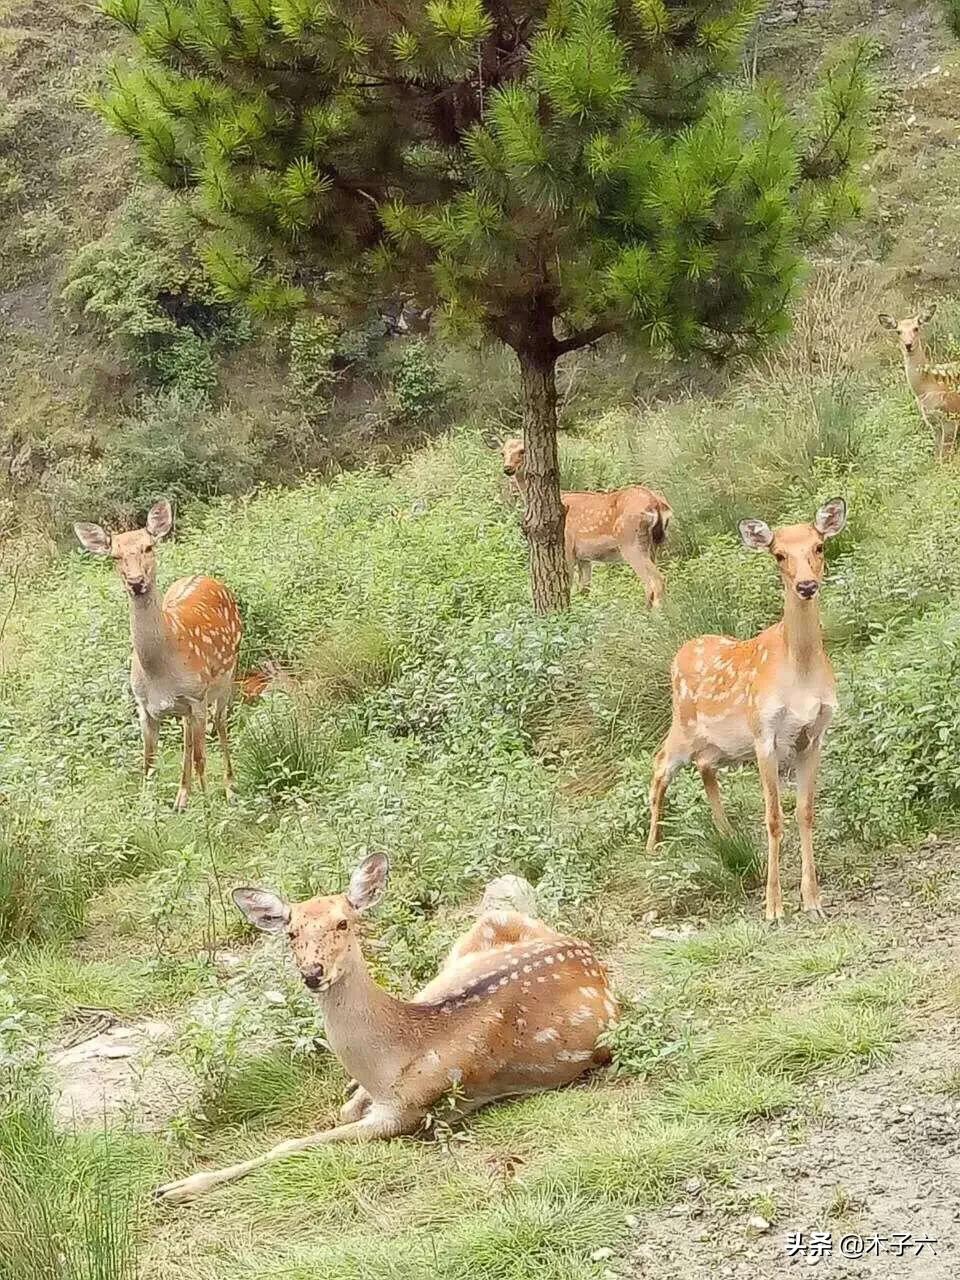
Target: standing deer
(184, 648)
(516, 1008)
(622, 525)
(770, 698)
(936, 387)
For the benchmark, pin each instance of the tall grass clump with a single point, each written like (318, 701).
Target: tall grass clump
(68, 1204)
(41, 894)
(284, 750)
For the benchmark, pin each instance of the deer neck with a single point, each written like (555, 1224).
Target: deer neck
(148, 632)
(364, 1026)
(914, 363)
(802, 633)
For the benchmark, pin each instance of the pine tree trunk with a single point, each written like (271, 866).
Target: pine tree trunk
(544, 516)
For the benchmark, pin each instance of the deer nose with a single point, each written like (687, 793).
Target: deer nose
(313, 977)
(808, 588)
(908, 347)
(508, 471)
(137, 585)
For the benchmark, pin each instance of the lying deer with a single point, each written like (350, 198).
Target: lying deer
(184, 648)
(936, 387)
(623, 525)
(516, 1008)
(770, 698)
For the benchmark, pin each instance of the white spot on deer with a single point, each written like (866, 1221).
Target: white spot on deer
(590, 992)
(583, 1014)
(574, 1055)
(549, 1033)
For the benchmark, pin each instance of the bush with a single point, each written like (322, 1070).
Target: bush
(420, 390)
(145, 287)
(173, 446)
(313, 345)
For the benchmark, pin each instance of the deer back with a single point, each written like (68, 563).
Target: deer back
(204, 626)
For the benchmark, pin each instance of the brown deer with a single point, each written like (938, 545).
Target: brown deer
(936, 387)
(516, 1008)
(184, 648)
(770, 698)
(623, 525)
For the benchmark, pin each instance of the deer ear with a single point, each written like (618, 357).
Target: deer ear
(888, 322)
(264, 910)
(756, 535)
(93, 539)
(927, 314)
(831, 517)
(160, 519)
(368, 882)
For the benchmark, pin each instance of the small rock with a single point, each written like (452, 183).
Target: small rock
(274, 997)
(757, 1223)
(601, 1255)
(632, 1221)
(673, 935)
(693, 1185)
(510, 893)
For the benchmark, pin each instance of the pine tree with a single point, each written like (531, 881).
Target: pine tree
(549, 172)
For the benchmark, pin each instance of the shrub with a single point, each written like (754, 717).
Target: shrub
(313, 346)
(174, 445)
(420, 390)
(145, 287)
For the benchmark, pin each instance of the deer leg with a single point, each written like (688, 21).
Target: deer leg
(200, 746)
(378, 1122)
(584, 571)
(638, 558)
(770, 778)
(807, 766)
(356, 1105)
(221, 721)
(150, 731)
(667, 761)
(708, 776)
(186, 767)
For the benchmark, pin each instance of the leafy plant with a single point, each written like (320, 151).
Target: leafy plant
(420, 389)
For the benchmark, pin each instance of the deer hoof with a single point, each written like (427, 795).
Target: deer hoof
(814, 911)
(180, 1192)
(180, 804)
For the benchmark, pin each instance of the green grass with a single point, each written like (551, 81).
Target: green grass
(69, 1206)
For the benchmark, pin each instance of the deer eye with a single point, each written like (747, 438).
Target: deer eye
(819, 548)
(779, 557)
(343, 924)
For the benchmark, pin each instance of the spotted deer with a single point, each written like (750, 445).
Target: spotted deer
(936, 387)
(515, 1009)
(770, 698)
(626, 525)
(184, 647)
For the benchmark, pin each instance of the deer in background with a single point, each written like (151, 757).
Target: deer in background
(770, 698)
(626, 525)
(184, 648)
(515, 1009)
(936, 387)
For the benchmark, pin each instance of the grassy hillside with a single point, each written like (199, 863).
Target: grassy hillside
(434, 717)
(763, 1082)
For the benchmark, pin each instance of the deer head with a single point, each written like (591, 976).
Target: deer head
(798, 548)
(513, 454)
(323, 932)
(909, 329)
(133, 552)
